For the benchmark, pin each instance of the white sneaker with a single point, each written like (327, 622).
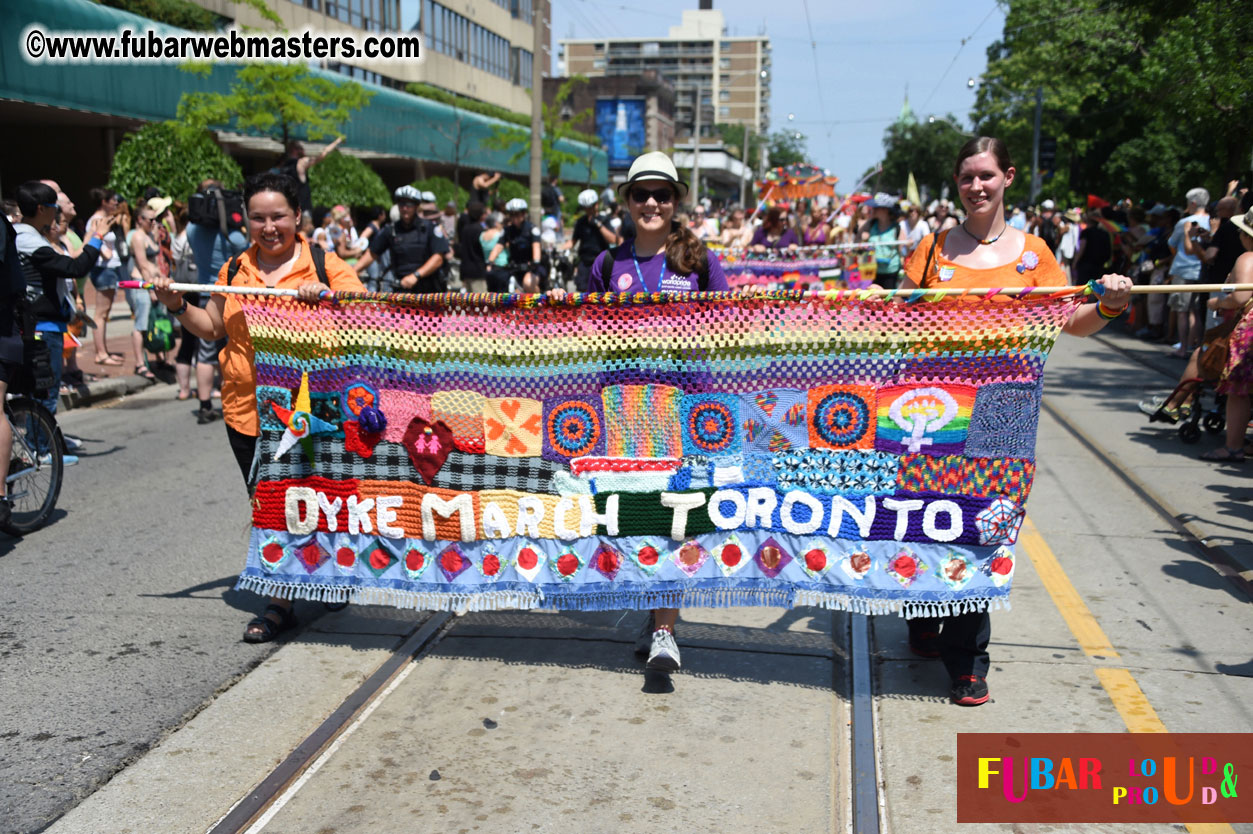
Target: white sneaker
(665, 652)
(72, 444)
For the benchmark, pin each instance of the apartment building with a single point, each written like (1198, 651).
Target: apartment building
(477, 48)
(729, 75)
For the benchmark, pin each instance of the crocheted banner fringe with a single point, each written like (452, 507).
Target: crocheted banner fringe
(423, 601)
(619, 600)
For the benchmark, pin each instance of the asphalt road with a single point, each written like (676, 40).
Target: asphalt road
(119, 619)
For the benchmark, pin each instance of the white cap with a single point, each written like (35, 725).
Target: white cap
(516, 204)
(588, 198)
(549, 237)
(428, 196)
(548, 223)
(1048, 205)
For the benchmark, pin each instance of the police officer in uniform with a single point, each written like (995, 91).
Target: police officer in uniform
(522, 240)
(592, 235)
(417, 246)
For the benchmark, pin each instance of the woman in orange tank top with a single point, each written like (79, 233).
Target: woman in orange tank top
(984, 251)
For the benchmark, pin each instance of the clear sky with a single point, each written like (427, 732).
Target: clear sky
(867, 53)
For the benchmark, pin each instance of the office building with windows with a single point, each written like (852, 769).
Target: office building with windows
(699, 60)
(476, 48)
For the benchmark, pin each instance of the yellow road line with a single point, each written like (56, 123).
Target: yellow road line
(1076, 614)
(1120, 685)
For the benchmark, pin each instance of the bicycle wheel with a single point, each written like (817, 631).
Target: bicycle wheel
(35, 465)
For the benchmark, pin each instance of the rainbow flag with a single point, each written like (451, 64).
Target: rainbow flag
(645, 451)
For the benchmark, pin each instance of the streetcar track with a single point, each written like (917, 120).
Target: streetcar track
(354, 708)
(252, 813)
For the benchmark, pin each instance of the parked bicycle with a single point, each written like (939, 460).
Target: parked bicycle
(36, 464)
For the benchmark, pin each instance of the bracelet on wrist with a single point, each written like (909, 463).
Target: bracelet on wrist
(182, 308)
(1106, 313)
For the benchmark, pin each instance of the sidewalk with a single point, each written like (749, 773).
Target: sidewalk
(111, 380)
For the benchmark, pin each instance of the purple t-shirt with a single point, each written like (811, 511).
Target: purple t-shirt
(623, 277)
(786, 239)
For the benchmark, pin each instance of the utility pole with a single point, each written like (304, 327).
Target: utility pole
(537, 108)
(696, 153)
(748, 135)
(1035, 147)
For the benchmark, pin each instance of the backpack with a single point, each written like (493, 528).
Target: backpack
(1049, 233)
(159, 337)
(317, 253)
(217, 208)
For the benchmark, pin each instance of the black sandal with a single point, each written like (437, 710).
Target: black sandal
(262, 629)
(335, 606)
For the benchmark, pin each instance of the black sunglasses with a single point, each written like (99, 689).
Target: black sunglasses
(661, 195)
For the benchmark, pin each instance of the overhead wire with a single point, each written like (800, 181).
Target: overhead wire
(951, 63)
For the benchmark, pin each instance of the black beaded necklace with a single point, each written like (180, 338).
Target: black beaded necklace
(987, 241)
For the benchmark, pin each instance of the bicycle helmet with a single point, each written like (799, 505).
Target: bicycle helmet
(588, 198)
(408, 192)
(516, 204)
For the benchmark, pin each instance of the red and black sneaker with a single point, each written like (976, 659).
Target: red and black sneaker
(970, 691)
(925, 644)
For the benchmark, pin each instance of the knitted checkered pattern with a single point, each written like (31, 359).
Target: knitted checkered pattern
(645, 451)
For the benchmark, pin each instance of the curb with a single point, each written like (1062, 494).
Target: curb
(103, 389)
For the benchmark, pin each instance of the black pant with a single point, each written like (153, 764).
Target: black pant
(963, 641)
(888, 280)
(245, 448)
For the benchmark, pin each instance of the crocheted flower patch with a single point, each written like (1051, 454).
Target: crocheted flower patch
(512, 427)
(931, 418)
(774, 421)
(842, 417)
(711, 424)
(573, 427)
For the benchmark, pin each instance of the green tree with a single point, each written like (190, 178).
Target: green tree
(277, 100)
(733, 136)
(343, 179)
(1144, 100)
(555, 129)
(171, 157)
(787, 148)
(444, 190)
(181, 13)
(925, 149)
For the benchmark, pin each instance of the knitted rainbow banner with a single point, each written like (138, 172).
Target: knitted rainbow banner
(635, 452)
